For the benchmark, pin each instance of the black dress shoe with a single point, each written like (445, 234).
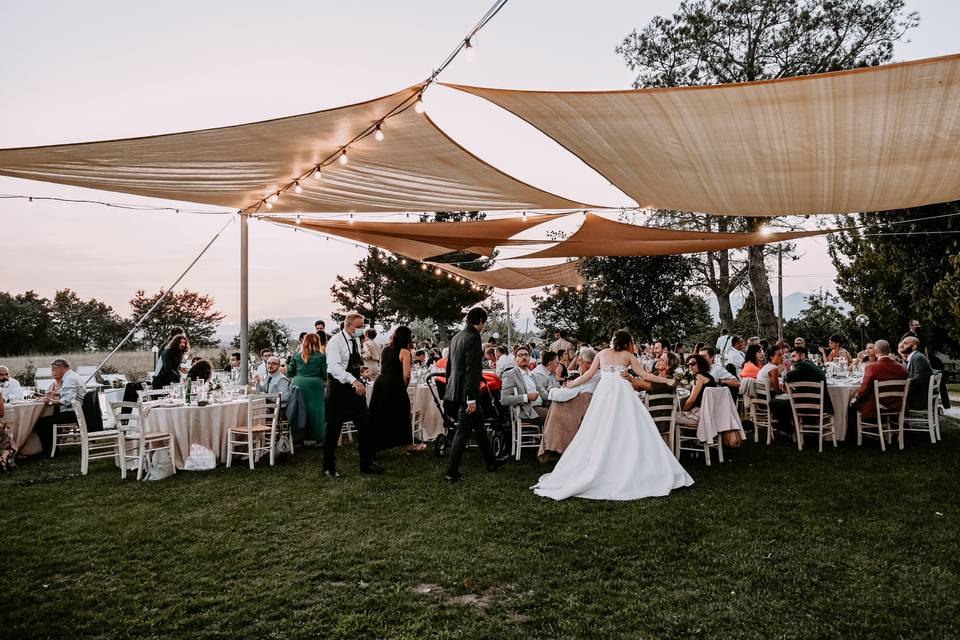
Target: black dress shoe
(457, 477)
(331, 473)
(496, 465)
(373, 469)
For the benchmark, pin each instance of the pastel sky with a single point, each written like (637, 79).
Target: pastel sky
(73, 72)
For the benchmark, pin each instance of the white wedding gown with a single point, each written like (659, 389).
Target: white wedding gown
(618, 453)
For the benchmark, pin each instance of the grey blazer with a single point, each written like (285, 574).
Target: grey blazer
(514, 392)
(919, 372)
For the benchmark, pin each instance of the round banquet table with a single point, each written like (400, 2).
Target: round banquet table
(840, 395)
(21, 417)
(208, 426)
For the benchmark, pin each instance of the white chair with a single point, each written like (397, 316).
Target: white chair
(95, 445)
(416, 416)
(687, 439)
(148, 395)
(281, 432)
(110, 378)
(136, 445)
(663, 409)
(66, 434)
(760, 411)
(806, 403)
(885, 418)
(525, 434)
(348, 430)
(928, 419)
(258, 435)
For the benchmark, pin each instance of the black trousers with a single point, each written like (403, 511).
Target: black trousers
(469, 423)
(44, 427)
(781, 411)
(344, 405)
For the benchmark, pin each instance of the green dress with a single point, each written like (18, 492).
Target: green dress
(309, 378)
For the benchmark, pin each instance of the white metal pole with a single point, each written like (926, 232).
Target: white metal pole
(244, 301)
(780, 292)
(509, 324)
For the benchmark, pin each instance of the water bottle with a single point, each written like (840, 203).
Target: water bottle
(187, 394)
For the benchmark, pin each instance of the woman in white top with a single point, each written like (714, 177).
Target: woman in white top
(770, 373)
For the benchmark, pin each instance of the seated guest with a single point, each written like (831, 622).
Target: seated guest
(735, 353)
(720, 375)
(865, 357)
(803, 370)
(547, 373)
(660, 384)
(195, 359)
(690, 410)
(770, 373)
(262, 367)
(837, 352)
(420, 357)
(11, 386)
(504, 360)
(67, 387)
(274, 382)
(234, 364)
(520, 389)
(566, 412)
(534, 351)
(785, 350)
(885, 368)
(490, 358)
(201, 370)
(173, 354)
(752, 361)
(919, 372)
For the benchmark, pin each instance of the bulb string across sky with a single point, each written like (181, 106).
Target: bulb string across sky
(75, 73)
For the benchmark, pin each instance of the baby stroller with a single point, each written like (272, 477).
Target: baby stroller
(498, 429)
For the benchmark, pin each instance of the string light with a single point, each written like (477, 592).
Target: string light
(423, 267)
(273, 197)
(298, 218)
(343, 157)
(350, 221)
(437, 272)
(378, 134)
(403, 261)
(29, 201)
(297, 188)
(524, 215)
(765, 230)
(317, 174)
(419, 107)
(269, 205)
(469, 50)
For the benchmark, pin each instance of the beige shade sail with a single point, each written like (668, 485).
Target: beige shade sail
(421, 240)
(415, 168)
(565, 274)
(598, 236)
(869, 139)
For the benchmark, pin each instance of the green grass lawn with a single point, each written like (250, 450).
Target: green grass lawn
(774, 543)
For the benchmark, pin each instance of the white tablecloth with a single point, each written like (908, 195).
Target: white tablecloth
(432, 419)
(108, 396)
(718, 413)
(21, 418)
(840, 395)
(207, 426)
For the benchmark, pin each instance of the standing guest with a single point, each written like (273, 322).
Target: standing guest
(799, 342)
(520, 389)
(275, 382)
(560, 342)
(390, 404)
(700, 368)
(534, 351)
(735, 354)
(770, 373)
(320, 328)
(174, 331)
(885, 368)
(234, 364)
(504, 360)
(696, 349)
(723, 342)
(307, 370)
(919, 372)
(420, 358)
(200, 370)
(303, 334)
(11, 386)
(912, 330)
(67, 387)
(348, 398)
(547, 375)
(265, 354)
(464, 373)
(752, 361)
(371, 353)
(173, 354)
(837, 352)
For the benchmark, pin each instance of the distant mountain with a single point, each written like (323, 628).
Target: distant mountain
(793, 304)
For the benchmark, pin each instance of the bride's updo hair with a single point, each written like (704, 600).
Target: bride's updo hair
(622, 340)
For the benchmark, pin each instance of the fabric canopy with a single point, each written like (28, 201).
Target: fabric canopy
(415, 168)
(869, 139)
(422, 240)
(565, 274)
(598, 236)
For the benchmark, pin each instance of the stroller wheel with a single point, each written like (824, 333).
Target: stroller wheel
(497, 444)
(440, 445)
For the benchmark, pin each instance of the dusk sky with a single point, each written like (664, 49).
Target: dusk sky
(73, 72)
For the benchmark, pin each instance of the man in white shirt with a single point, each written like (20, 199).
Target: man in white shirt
(265, 354)
(723, 342)
(545, 375)
(520, 389)
(348, 397)
(719, 373)
(67, 387)
(274, 381)
(735, 355)
(504, 360)
(11, 386)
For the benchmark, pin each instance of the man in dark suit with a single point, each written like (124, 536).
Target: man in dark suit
(885, 368)
(803, 370)
(464, 372)
(919, 372)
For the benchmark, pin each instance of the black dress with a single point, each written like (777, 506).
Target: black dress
(390, 405)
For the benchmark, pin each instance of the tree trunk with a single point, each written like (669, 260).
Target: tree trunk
(725, 310)
(760, 283)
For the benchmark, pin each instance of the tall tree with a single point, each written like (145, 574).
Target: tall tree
(25, 325)
(192, 311)
(266, 334)
(84, 325)
(367, 292)
(725, 41)
(895, 278)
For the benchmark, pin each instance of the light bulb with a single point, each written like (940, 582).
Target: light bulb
(437, 272)
(470, 51)
(273, 198)
(423, 267)
(317, 175)
(269, 205)
(579, 287)
(298, 218)
(378, 134)
(419, 107)
(29, 201)
(403, 261)
(343, 157)
(297, 188)
(765, 230)
(351, 219)
(524, 215)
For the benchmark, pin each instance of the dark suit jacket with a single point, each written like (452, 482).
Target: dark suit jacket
(881, 370)
(806, 371)
(919, 372)
(464, 367)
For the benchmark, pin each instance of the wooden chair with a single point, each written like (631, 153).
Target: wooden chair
(928, 419)
(135, 444)
(258, 435)
(806, 403)
(525, 434)
(687, 439)
(416, 416)
(885, 418)
(67, 434)
(95, 445)
(148, 395)
(663, 409)
(760, 411)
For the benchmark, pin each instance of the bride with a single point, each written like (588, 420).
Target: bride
(618, 453)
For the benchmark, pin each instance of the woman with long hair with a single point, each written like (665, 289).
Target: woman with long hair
(702, 379)
(173, 354)
(618, 453)
(307, 370)
(390, 405)
(752, 361)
